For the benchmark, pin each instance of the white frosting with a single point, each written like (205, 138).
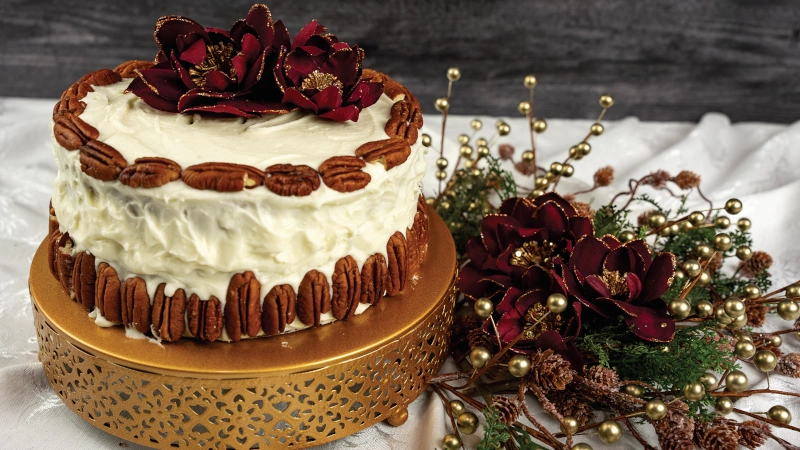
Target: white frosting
(197, 239)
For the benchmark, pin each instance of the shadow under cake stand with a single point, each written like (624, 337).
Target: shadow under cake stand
(295, 390)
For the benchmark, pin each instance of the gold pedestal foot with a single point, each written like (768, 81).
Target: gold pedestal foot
(398, 418)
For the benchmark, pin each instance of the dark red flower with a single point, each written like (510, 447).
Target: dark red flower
(523, 234)
(612, 279)
(320, 74)
(208, 70)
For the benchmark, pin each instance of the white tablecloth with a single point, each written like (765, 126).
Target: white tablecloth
(755, 162)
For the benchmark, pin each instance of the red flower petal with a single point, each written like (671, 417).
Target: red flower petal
(489, 226)
(297, 66)
(641, 247)
(293, 97)
(349, 112)
(596, 284)
(217, 81)
(621, 259)
(634, 287)
(168, 29)
(366, 94)
(476, 251)
(195, 54)
(259, 18)
(305, 34)
(588, 255)
(281, 37)
(468, 282)
(223, 110)
(343, 65)
(652, 325)
(554, 197)
(581, 226)
(183, 74)
(553, 219)
(509, 300)
(658, 278)
(611, 241)
(536, 277)
(163, 82)
(328, 99)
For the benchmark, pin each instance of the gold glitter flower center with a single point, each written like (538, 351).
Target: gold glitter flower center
(616, 282)
(218, 57)
(535, 326)
(531, 254)
(319, 81)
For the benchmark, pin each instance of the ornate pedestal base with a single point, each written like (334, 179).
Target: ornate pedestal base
(299, 390)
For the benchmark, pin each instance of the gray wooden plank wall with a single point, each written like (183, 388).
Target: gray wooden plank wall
(662, 60)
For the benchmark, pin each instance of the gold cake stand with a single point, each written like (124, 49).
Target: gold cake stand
(296, 390)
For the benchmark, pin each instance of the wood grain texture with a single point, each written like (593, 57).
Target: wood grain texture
(662, 60)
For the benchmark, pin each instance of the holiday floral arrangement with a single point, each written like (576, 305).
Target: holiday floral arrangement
(586, 309)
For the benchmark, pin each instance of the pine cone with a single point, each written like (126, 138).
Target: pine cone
(657, 179)
(686, 179)
(604, 176)
(753, 434)
(676, 428)
(717, 436)
(550, 372)
(506, 151)
(756, 314)
(508, 407)
(759, 262)
(569, 404)
(524, 168)
(605, 377)
(789, 364)
(478, 338)
(471, 321)
(676, 442)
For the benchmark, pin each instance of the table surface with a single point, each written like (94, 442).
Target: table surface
(755, 162)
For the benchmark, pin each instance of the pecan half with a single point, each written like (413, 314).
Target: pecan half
(150, 172)
(84, 277)
(52, 252)
(413, 249)
(222, 177)
(390, 152)
(65, 263)
(397, 256)
(72, 132)
(374, 75)
(205, 318)
(128, 68)
(107, 293)
(102, 77)
(279, 309)
(243, 306)
(70, 102)
(421, 230)
(345, 288)
(344, 174)
(168, 314)
(136, 304)
(374, 279)
(288, 180)
(394, 90)
(313, 298)
(101, 161)
(405, 121)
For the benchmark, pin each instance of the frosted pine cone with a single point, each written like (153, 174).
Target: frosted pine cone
(756, 314)
(605, 377)
(569, 404)
(604, 176)
(686, 179)
(789, 365)
(508, 407)
(478, 338)
(758, 263)
(717, 436)
(676, 442)
(550, 372)
(753, 434)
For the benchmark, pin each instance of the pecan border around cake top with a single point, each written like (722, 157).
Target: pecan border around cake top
(247, 310)
(340, 173)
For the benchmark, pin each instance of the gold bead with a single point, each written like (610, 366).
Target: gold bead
(581, 446)
(627, 236)
(634, 390)
(752, 292)
(692, 268)
(503, 129)
(744, 253)
(479, 356)
(441, 163)
(734, 307)
(722, 242)
(680, 274)
(655, 409)
(441, 175)
(679, 308)
(597, 129)
(463, 139)
(451, 442)
(704, 309)
(744, 224)
(574, 153)
(453, 74)
(788, 309)
(722, 222)
(609, 431)
(530, 81)
(541, 182)
(430, 201)
(481, 142)
(793, 291)
(733, 206)
(442, 104)
(483, 152)
(657, 220)
(738, 322)
(568, 171)
(557, 168)
(571, 424)
(483, 307)
(723, 405)
(765, 360)
(536, 193)
(721, 317)
(776, 340)
(467, 423)
(399, 418)
(557, 303)
(674, 229)
(694, 391)
(527, 156)
(426, 140)
(476, 124)
(466, 151)
(743, 336)
(745, 349)
(472, 206)
(539, 125)
(606, 101)
(703, 251)
(584, 148)
(685, 225)
(780, 414)
(736, 381)
(697, 218)
(519, 366)
(457, 407)
(703, 280)
(476, 172)
(444, 205)
(709, 380)
(524, 108)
